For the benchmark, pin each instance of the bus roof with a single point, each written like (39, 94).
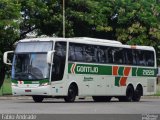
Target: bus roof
(97, 40)
(88, 40)
(75, 39)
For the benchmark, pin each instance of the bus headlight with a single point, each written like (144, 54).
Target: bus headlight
(14, 84)
(44, 84)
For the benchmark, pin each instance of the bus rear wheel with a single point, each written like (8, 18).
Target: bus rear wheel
(37, 98)
(71, 94)
(137, 94)
(129, 95)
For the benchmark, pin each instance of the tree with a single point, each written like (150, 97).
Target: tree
(129, 21)
(9, 30)
(133, 22)
(45, 17)
(41, 16)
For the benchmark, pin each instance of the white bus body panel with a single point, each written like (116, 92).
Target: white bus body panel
(97, 85)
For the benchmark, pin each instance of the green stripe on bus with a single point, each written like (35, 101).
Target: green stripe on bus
(120, 71)
(89, 69)
(148, 72)
(76, 68)
(117, 79)
(134, 71)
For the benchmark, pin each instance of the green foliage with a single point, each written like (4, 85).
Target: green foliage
(6, 88)
(9, 29)
(129, 21)
(40, 15)
(137, 20)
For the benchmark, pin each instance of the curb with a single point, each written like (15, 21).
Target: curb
(150, 97)
(15, 98)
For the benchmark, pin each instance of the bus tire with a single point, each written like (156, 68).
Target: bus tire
(72, 92)
(37, 99)
(129, 94)
(101, 98)
(137, 94)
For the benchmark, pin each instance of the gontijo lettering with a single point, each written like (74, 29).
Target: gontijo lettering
(87, 69)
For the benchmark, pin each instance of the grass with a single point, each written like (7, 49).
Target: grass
(6, 87)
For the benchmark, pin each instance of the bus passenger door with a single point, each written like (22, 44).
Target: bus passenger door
(58, 68)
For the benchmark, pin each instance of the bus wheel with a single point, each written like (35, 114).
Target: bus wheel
(129, 94)
(101, 98)
(37, 98)
(71, 94)
(137, 94)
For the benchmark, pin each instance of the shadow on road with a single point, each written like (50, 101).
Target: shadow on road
(49, 100)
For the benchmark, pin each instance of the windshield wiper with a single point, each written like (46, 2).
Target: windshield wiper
(24, 75)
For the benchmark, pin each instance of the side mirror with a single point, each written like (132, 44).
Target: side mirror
(5, 57)
(50, 56)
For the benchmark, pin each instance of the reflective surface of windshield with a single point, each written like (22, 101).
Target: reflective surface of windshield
(29, 66)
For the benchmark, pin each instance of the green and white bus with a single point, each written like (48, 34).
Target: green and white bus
(70, 67)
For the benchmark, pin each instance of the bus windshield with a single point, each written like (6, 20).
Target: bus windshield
(30, 66)
(30, 61)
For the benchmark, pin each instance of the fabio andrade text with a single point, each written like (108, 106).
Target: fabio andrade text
(19, 117)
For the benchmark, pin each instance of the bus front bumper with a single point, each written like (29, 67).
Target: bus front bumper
(41, 90)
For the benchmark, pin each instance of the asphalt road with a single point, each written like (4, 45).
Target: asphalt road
(87, 106)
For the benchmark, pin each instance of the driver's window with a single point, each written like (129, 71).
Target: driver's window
(59, 61)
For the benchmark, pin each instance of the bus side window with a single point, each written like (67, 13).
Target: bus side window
(99, 55)
(129, 56)
(79, 53)
(71, 55)
(149, 58)
(59, 61)
(135, 58)
(88, 53)
(142, 59)
(110, 55)
(118, 56)
(106, 54)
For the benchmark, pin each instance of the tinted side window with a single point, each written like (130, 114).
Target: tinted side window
(111, 55)
(118, 55)
(149, 58)
(129, 60)
(76, 52)
(144, 57)
(81, 53)
(141, 60)
(99, 54)
(88, 53)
